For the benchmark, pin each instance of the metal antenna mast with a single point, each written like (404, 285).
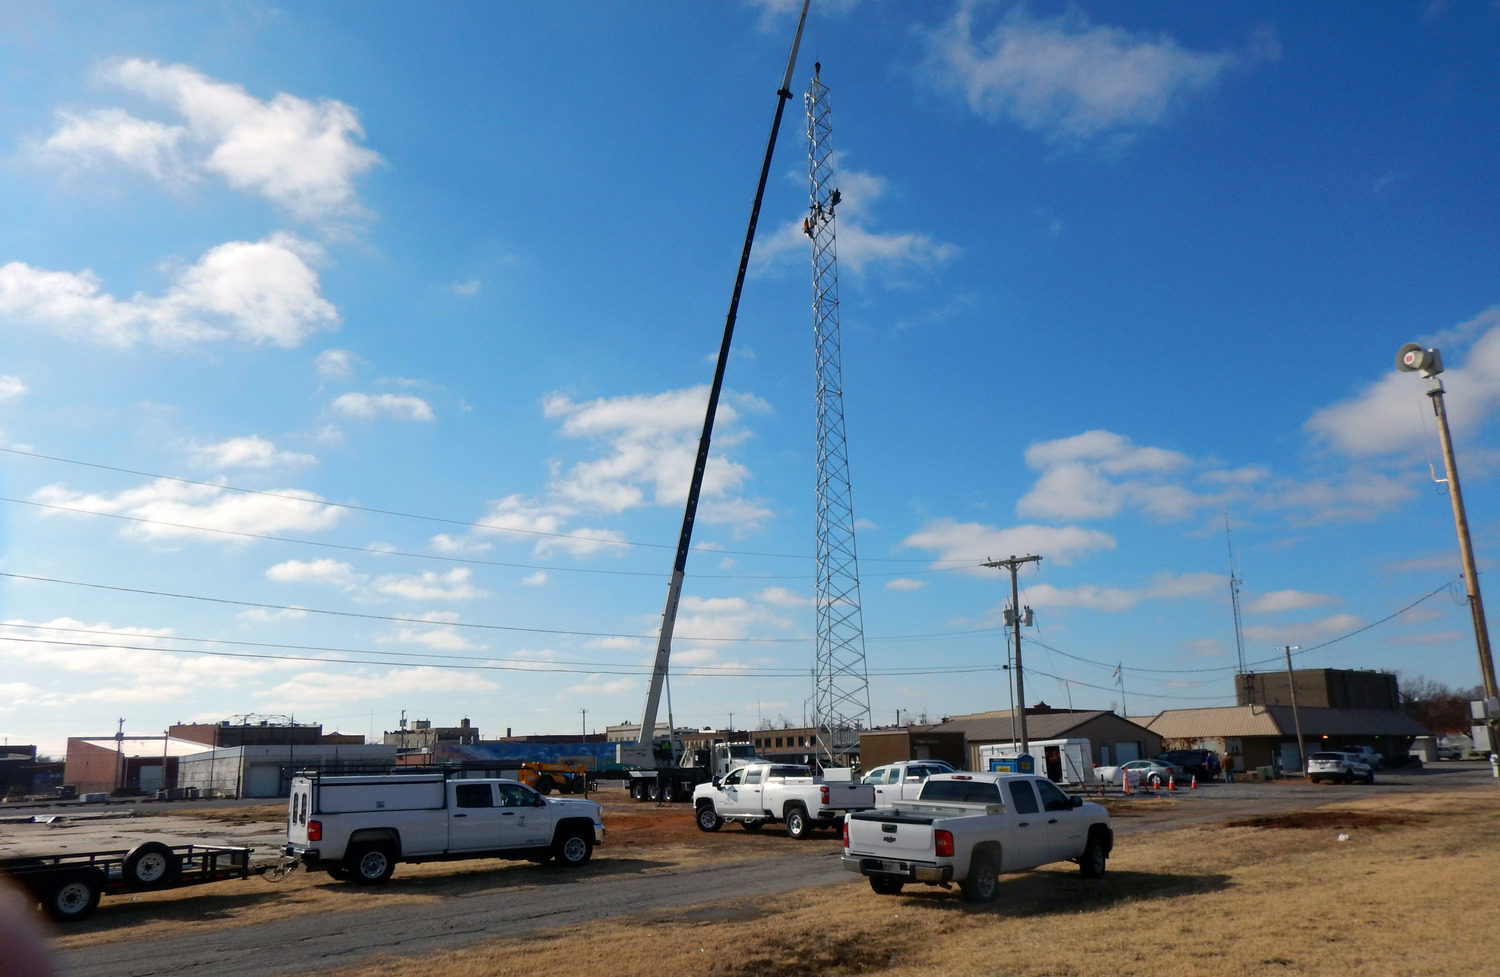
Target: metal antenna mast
(1234, 600)
(841, 699)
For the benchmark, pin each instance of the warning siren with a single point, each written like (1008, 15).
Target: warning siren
(1413, 357)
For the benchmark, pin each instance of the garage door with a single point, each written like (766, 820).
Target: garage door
(263, 780)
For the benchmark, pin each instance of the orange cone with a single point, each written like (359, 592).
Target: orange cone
(1125, 779)
(1171, 782)
(1194, 784)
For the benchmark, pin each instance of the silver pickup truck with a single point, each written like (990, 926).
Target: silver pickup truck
(969, 828)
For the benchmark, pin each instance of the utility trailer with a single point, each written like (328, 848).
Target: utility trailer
(69, 886)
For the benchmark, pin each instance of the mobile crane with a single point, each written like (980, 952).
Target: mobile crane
(651, 779)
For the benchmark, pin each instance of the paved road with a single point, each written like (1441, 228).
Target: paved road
(301, 944)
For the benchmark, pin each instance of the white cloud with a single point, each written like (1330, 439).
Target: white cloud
(257, 292)
(11, 388)
(250, 451)
(1306, 631)
(1071, 80)
(534, 580)
(1165, 586)
(1280, 601)
(314, 690)
(1095, 474)
(905, 583)
(467, 289)
(401, 406)
(177, 510)
(974, 543)
(335, 364)
(331, 572)
(649, 443)
(438, 639)
(430, 585)
(138, 655)
(1393, 415)
(598, 685)
(302, 156)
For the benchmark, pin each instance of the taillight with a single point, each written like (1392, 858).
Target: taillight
(943, 840)
(846, 834)
(315, 831)
(824, 792)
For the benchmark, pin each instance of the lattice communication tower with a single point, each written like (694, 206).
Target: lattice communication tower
(841, 698)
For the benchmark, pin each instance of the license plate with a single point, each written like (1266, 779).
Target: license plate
(881, 865)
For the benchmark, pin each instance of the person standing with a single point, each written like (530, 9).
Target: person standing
(1227, 762)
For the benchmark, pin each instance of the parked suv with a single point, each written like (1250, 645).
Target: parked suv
(1200, 763)
(1342, 767)
(1366, 753)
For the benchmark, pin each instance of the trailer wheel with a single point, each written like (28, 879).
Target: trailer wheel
(74, 896)
(754, 824)
(797, 825)
(574, 849)
(371, 864)
(708, 819)
(151, 866)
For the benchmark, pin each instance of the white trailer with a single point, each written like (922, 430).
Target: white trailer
(1068, 761)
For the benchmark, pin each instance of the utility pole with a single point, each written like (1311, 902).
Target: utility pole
(1409, 358)
(1012, 565)
(1291, 684)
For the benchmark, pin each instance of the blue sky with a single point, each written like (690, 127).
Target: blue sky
(354, 356)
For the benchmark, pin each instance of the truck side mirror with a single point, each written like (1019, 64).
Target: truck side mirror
(1076, 801)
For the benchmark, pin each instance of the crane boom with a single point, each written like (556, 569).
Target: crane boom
(641, 754)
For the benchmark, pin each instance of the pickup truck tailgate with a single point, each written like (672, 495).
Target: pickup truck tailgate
(890, 837)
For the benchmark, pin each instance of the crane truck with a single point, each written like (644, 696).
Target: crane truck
(654, 774)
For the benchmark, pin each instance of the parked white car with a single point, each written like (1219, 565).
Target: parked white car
(1341, 767)
(1142, 773)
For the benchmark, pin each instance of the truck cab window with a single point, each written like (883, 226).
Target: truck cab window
(876, 777)
(1052, 798)
(512, 796)
(754, 776)
(1023, 798)
(474, 795)
(733, 779)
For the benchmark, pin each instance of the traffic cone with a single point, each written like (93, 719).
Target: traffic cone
(1171, 782)
(1194, 784)
(1125, 779)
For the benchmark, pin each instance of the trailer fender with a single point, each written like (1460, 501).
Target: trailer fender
(151, 865)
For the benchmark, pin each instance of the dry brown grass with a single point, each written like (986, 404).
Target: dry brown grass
(1410, 892)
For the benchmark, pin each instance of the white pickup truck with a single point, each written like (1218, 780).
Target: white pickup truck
(902, 780)
(358, 827)
(971, 827)
(761, 792)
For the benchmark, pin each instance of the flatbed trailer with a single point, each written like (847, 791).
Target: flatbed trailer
(69, 886)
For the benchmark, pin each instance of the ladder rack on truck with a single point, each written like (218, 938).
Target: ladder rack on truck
(69, 886)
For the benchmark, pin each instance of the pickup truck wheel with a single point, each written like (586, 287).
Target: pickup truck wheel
(886, 886)
(983, 883)
(797, 825)
(754, 824)
(74, 896)
(371, 864)
(151, 866)
(708, 819)
(1091, 862)
(574, 850)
